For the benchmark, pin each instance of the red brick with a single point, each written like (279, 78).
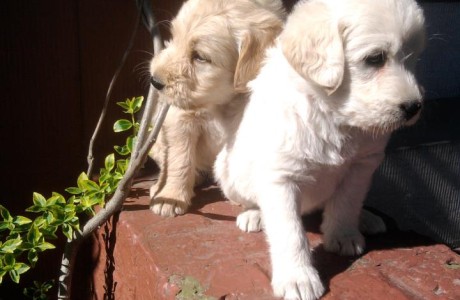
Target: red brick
(152, 254)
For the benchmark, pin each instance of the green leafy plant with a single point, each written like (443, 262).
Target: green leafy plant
(39, 290)
(22, 239)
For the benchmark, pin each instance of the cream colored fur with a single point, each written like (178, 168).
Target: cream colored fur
(217, 46)
(338, 82)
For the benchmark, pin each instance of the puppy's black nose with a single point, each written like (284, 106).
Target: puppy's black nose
(157, 83)
(410, 109)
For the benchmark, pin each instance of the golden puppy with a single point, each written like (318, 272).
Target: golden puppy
(340, 79)
(217, 46)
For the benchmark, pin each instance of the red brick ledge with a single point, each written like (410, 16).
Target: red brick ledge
(205, 253)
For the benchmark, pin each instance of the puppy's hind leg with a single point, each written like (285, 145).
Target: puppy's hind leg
(250, 220)
(177, 174)
(341, 218)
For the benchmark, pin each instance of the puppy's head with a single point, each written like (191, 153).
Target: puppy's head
(216, 48)
(360, 56)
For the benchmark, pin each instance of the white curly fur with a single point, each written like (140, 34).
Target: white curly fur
(338, 82)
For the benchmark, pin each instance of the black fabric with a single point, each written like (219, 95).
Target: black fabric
(418, 185)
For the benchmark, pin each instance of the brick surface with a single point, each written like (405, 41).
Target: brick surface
(203, 253)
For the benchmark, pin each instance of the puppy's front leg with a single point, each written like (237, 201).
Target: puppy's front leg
(342, 212)
(177, 171)
(294, 276)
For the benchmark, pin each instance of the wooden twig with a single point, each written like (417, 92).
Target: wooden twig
(90, 157)
(147, 115)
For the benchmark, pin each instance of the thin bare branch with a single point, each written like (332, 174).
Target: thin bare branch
(147, 115)
(90, 157)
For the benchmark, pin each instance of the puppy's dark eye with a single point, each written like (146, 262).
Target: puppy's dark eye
(376, 60)
(199, 58)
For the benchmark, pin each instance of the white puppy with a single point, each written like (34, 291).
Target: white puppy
(338, 82)
(216, 48)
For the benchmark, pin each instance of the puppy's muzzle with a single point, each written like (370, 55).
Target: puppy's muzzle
(410, 109)
(157, 83)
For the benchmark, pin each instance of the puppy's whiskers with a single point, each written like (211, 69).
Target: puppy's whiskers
(142, 66)
(407, 57)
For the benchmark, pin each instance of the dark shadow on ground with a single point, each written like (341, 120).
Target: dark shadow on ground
(329, 264)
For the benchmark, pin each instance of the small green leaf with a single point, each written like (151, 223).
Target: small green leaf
(34, 235)
(9, 261)
(47, 285)
(122, 166)
(137, 104)
(11, 245)
(5, 213)
(55, 199)
(39, 200)
(35, 208)
(85, 202)
(123, 105)
(39, 222)
(60, 199)
(89, 186)
(14, 276)
(45, 246)
(21, 268)
(67, 231)
(20, 220)
(80, 180)
(75, 223)
(32, 256)
(117, 176)
(90, 211)
(4, 225)
(109, 162)
(18, 229)
(69, 208)
(73, 190)
(2, 273)
(122, 150)
(131, 142)
(122, 125)
(103, 178)
(49, 217)
(72, 200)
(50, 232)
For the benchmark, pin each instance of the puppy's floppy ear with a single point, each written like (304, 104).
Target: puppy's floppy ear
(312, 44)
(252, 53)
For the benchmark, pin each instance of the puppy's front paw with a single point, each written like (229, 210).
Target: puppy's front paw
(249, 220)
(301, 284)
(347, 243)
(167, 207)
(370, 223)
